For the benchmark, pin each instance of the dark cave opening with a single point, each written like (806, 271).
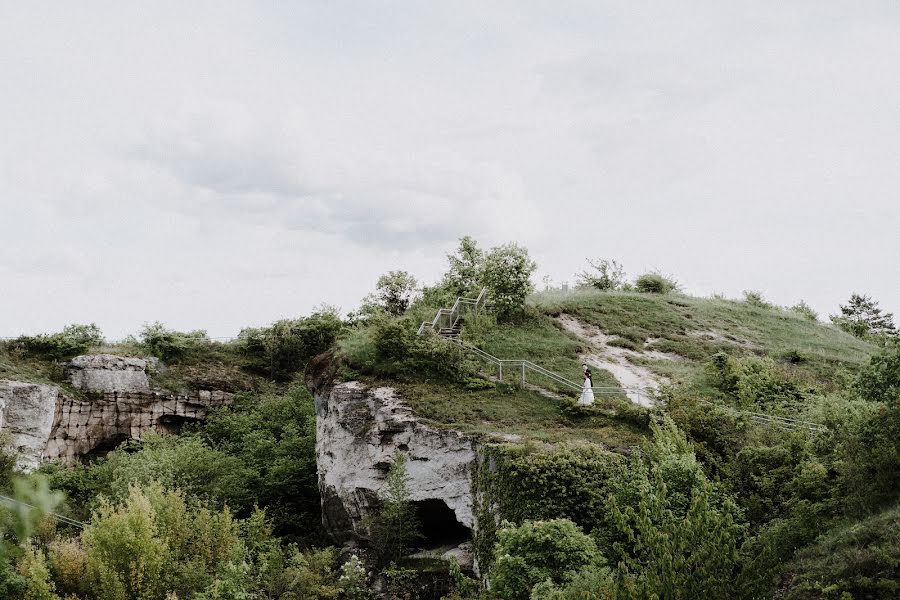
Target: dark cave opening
(438, 525)
(173, 424)
(104, 447)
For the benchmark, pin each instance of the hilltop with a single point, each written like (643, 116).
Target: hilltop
(352, 422)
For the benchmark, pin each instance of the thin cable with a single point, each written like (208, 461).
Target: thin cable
(58, 517)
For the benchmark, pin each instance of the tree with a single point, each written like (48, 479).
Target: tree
(604, 275)
(672, 533)
(539, 551)
(862, 317)
(396, 526)
(394, 292)
(879, 381)
(507, 275)
(464, 277)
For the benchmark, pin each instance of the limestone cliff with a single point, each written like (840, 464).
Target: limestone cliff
(44, 423)
(26, 414)
(358, 432)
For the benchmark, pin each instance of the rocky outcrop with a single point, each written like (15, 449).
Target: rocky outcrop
(106, 373)
(358, 432)
(86, 428)
(45, 423)
(26, 414)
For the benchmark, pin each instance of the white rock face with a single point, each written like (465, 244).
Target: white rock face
(107, 373)
(27, 411)
(358, 432)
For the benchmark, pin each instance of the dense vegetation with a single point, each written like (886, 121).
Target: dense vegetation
(692, 499)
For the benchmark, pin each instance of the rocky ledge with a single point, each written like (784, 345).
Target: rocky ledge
(44, 423)
(359, 430)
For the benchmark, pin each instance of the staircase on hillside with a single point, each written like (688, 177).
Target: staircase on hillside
(448, 323)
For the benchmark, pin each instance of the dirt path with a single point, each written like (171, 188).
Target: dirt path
(641, 380)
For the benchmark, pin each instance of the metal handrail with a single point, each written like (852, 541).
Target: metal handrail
(783, 422)
(453, 313)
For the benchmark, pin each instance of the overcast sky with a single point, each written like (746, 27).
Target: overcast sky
(221, 164)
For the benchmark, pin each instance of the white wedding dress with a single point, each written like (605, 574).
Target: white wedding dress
(587, 393)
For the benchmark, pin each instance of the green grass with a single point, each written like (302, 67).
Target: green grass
(695, 328)
(507, 410)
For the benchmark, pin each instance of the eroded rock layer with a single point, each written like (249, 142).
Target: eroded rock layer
(359, 430)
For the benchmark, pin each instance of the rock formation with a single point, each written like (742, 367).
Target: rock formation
(45, 423)
(26, 414)
(358, 432)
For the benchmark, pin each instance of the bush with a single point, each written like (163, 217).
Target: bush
(805, 310)
(754, 298)
(539, 551)
(606, 275)
(394, 529)
(861, 560)
(286, 347)
(70, 342)
(655, 283)
(879, 381)
(507, 275)
(399, 352)
(169, 345)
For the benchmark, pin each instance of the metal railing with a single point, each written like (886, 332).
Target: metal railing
(448, 318)
(522, 367)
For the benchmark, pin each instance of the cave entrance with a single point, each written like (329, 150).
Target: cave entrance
(104, 447)
(438, 525)
(173, 424)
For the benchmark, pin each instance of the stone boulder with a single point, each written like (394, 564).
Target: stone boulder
(106, 373)
(358, 432)
(27, 411)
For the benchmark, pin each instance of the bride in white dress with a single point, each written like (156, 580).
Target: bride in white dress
(587, 392)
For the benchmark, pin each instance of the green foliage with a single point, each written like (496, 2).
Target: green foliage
(606, 275)
(272, 437)
(393, 349)
(394, 529)
(655, 283)
(284, 348)
(862, 317)
(755, 383)
(538, 551)
(71, 341)
(394, 292)
(867, 459)
(154, 542)
(806, 311)
(507, 275)
(879, 380)
(32, 567)
(755, 298)
(672, 533)
(464, 276)
(170, 345)
(20, 520)
(354, 580)
(860, 560)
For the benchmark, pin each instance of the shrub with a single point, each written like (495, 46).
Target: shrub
(655, 283)
(538, 551)
(606, 275)
(507, 275)
(169, 345)
(671, 532)
(805, 310)
(464, 277)
(754, 298)
(879, 381)
(33, 569)
(286, 347)
(71, 341)
(394, 292)
(399, 352)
